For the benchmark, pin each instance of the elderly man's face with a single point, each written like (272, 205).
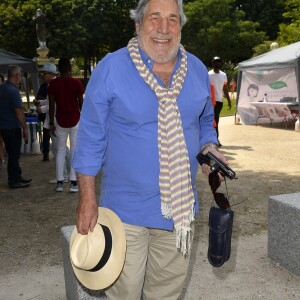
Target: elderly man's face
(160, 31)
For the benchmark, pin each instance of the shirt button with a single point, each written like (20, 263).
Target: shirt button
(149, 61)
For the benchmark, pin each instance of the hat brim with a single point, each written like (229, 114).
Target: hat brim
(47, 71)
(108, 274)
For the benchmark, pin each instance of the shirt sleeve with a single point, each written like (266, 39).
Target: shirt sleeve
(92, 132)
(17, 100)
(80, 87)
(44, 108)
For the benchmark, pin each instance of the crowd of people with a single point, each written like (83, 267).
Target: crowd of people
(58, 104)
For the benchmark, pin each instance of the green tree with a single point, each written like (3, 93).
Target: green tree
(215, 28)
(86, 29)
(290, 30)
(268, 13)
(15, 33)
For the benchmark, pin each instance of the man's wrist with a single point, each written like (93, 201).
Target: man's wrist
(208, 146)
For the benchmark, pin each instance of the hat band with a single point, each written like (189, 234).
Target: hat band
(107, 250)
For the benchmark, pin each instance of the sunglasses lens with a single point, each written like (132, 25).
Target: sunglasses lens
(221, 200)
(214, 181)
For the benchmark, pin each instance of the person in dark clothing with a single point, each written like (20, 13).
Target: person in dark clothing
(48, 72)
(12, 118)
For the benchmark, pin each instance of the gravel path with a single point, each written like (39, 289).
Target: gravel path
(266, 161)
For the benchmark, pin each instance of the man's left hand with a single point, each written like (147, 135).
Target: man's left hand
(206, 168)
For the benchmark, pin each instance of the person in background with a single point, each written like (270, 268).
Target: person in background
(147, 114)
(213, 99)
(65, 102)
(49, 72)
(12, 119)
(232, 86)
(219, 80)
(2, 161)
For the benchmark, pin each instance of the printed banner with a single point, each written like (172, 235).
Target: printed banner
(277, 84)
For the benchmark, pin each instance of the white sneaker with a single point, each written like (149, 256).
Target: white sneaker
(59, 187)
(54, 181)
(73, 188)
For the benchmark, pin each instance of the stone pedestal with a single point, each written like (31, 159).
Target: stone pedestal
(283, 231)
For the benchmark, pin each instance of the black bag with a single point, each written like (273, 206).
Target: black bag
(220, 229)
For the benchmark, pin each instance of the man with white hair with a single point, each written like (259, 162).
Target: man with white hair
(147, 114)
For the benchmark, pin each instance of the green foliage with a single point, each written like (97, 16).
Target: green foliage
(290, 31)
(89, 29)
(216, 28)
(75, 28)
(262, 48)
(267, 13)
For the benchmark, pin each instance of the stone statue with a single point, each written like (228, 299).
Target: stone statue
(40, 19)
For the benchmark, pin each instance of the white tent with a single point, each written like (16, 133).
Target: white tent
(276, 73)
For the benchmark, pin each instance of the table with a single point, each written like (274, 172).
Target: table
(33, 145)
(286, 112)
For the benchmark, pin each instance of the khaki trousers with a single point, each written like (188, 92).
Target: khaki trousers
(154, 269)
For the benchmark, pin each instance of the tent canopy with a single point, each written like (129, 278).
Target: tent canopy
(29, 66)
(9, 58)
(275, 73)
(287, 56)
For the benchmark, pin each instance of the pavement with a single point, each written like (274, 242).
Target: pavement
(249, 274)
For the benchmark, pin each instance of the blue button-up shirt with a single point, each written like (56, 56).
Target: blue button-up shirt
(117, 134)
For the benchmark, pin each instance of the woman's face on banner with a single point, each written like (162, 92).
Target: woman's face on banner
(253, 92)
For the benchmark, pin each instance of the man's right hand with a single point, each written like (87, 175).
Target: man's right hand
(86, 216)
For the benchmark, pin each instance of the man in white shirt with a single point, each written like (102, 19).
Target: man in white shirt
(219, 79)
(49, 72)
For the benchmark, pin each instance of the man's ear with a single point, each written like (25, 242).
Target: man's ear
(137, 28)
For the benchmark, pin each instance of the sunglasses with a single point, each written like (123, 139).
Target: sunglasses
(220, 198)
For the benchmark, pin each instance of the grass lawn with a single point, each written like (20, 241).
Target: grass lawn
(228, 112)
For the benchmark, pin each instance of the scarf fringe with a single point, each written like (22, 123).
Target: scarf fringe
(184, 238)
(166, 210)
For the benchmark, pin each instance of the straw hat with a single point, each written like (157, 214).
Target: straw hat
(98, 257)
(49, 68)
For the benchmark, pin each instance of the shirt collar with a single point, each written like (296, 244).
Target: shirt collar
(149, 62)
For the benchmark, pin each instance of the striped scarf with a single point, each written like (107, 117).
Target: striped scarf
(177, 197)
